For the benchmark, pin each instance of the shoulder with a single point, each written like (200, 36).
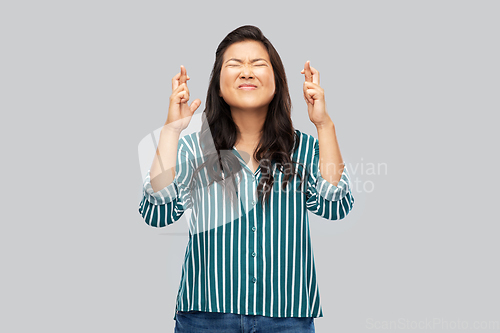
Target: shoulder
(307, 148)
(306, 140)
(190, 139)
(189, 142)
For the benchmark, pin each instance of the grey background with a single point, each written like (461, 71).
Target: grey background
(409, 84)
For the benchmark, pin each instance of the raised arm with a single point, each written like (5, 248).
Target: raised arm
(179, 115)
(329, 192)
(165, 193)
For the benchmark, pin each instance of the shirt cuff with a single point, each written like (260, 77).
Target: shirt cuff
(163, 196)
(331, 192)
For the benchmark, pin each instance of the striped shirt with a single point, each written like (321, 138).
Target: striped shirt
(254, 259)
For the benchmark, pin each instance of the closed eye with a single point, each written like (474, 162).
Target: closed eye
(240, 65)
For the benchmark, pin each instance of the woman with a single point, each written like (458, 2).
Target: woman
(249, 178)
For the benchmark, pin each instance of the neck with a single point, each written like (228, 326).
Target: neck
(250, 123)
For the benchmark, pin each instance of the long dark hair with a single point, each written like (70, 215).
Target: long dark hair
(219, 132)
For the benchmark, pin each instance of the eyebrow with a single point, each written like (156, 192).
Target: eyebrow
(253, 60)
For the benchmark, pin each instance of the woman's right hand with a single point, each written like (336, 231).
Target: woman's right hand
(179, 112)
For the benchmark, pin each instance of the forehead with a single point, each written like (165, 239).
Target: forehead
(246, 50)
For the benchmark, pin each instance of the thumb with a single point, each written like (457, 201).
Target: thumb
(194, 106)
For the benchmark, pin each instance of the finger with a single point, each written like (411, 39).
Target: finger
(184, 96)
(315, 94)
(307, 95)
(311, 84)
(308, 99)
(183, 77)
(175, 81)
(194, 106)
(307, 71)
(181, 87)
(315, 75)
(182, 90)
(177, 97)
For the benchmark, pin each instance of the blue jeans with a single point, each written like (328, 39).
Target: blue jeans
(218, 322)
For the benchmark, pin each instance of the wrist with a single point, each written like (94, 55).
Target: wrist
(170, 130)
(328, 125)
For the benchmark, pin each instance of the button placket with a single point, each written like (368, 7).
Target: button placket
(254, 228)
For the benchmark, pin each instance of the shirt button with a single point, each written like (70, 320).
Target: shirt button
(254, 228)
(253, 202)
(254, 279)
(253, 254)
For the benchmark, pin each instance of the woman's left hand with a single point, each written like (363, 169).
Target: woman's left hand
(314, 96)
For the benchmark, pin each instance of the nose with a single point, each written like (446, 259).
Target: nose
(246, 72)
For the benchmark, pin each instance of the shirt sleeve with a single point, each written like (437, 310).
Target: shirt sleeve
(325, 199)
(166, 206)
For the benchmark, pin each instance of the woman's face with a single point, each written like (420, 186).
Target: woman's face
(247, 62)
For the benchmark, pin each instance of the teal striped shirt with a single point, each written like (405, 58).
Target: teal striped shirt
(253, 259)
